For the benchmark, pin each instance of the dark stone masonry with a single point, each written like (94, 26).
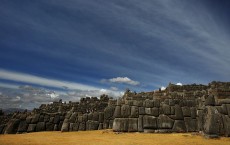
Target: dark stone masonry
(188, 108)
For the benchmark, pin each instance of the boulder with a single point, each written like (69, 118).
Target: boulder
(210, 101)
(108, 112)
(35, 119)
(92, 125)
(12, 126)
(65, 126)
(82, 126)
(117, 112)
(178, 113)
(95, 116)
(166, 109)
(56, 119)
(191, 124)
(49, 126)
(149, 122)
(2, 127)
(171, 102)
(31, 127)
(41, 118)
(226, 121)
(75, 126)
(28, 119)
(110, 124)
(164, 122)
(193, 112)
(73, 117)
(40, 126)
(133, 125)
(134, 112)
(186, 111)
(152, 111)
(101, 117)
(141, 111)
(157, 103)
(140, 123)
(179, 126)
(22, 127)
(121, 124)
(125, 111)
(148, 103)
(51, 120)
(46, 118)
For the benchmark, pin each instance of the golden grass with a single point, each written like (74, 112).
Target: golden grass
(107, 137)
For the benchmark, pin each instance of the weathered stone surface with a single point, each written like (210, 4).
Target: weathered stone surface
(2, 128)
(138, 103)
(140, 123)
(108, 112)
(40, 126)
(49, 126)
(46, 118)
(117, 112)
(228, 109)
(41, 118)
(28, 119)
(95, 116)
(171, 102)
(210, 101)
(149, 103)
(82, 126)
(110, 124)
(22, 127)
(133, 125)
(73, 117)
(149, 122)
(226, 121)
(193, 112)
(178, 113)
(51, 120)
(179, 126)
(56, 119)
(186, 111)
(121, 124)
(106, 124)
(212, 121)
(156, 103)
(191, 124)
(141, 110)
(65, 126)
(31, 127)
(125, 111)
(100, 127)
(152, 111)
(12, 126)
(101, 117)
(166, 109)
(90, 116)
(35, 119)
(164, 122)
(92, 125)
(134, 112)
(75, 126)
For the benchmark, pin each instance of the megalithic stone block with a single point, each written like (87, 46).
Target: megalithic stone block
(121, 124)
(140, 123)
(149, 122)
(164, 122)
(117, 112)
(133, 125)
(179, 126)
(12, 126)
(125, 111)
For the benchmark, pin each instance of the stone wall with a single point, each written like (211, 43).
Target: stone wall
(189, 108)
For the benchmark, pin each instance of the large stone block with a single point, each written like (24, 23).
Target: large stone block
(191, 124)
(75, 126)
(40, 126)
(134, 112)
(152, 111)
(140, 123)
(101, 117)
(138, 103)
(22, 127)
(226, 122)
(65, 126)
(171, 102)
(46, 118)
(149, 122)
(82, 126)
(117, 112)
(141, 110)
(56, 119)
(51, 120)
(95, 116)
(12, 126)
(179, 126)
(166, 109)
(186, 111)
(193, 112)
(90, 116)
(148, 103)
(100, 127)
(121, 124)
(164, 122)
(157, 103)
(92, 125)
(41, 118)
(108, 112)
(35, 119)
(2, 127)
(210, 101)
(31, 127)
(133, 125)
(125, 111)
(49, 126)
(178, 113)
(228, 109)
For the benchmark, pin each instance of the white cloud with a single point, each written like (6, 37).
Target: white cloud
(123, 80)
(163, 88)
(27, 78)
(179, 84)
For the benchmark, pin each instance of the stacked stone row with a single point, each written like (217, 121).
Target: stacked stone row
(168, 115)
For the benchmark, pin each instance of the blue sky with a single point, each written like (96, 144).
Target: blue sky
(75, 48)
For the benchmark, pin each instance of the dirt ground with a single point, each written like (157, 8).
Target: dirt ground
(107, 137)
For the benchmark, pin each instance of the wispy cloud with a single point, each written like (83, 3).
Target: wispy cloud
(121, 80)
(28, 78)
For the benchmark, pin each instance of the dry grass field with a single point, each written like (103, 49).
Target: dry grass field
(107, 137)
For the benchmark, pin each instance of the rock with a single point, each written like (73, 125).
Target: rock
(134, 112)
(95, 116)
(140, 123)
(92, 125)
(120, 124)
(41, 118)
(157, 103)
(40, 126)
(108, 112)
(178, 113)
(75, 126)
(193, 112)
(49, 126)
(148, 103)
(210, 101)
(164, 122)
(179, 126)
(133, 126)
(46, 118)
(65, 126)
(117, 112)
(2, 127)
(110, 124)
(152, 111)
(226, 121)
(82, 126)
(138, 103)
(28, 119)
(106, 124)
(200, 120)
(191, 124)
(31, 127)
(166, 109)
(35, 119)
(51, 120)
(141, 111)
(186, 111)
(56, 119)
(228, 109)
(100, 127)
(171, 102)
(12, 126)
(56, 127)
(90, 116)
(212, 121)
(73, 117)
(22, 127)
(125, 111)
(149, 122)
(101, 117)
